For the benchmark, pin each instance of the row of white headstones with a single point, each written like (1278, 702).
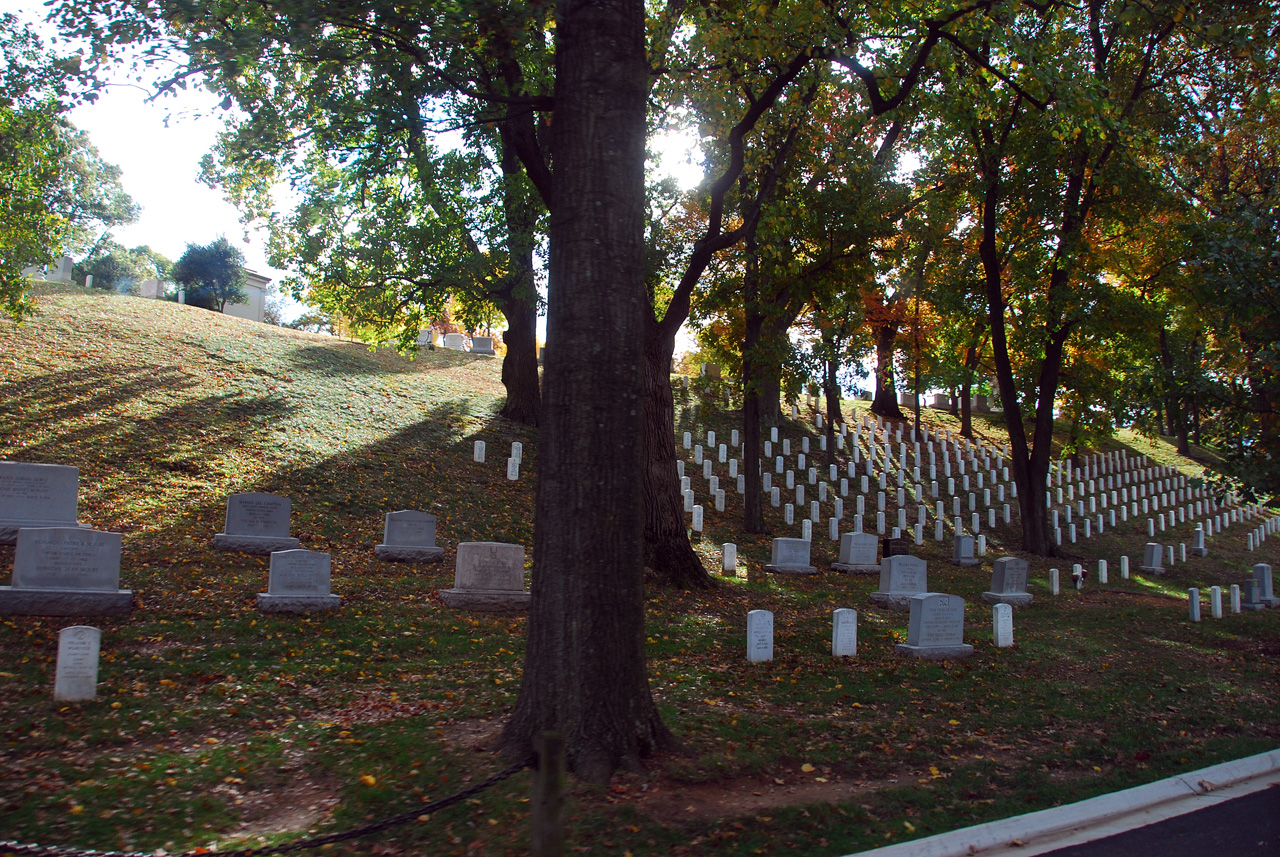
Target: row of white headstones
(1128, 485)
(844, 628)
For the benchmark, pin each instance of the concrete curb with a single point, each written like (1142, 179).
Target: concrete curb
(1050, 826)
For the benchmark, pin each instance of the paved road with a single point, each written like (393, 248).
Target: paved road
(1248, 826)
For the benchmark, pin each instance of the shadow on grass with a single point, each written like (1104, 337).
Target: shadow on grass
(344, 358)
(85, 404)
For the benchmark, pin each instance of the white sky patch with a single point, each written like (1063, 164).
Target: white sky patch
(677, 155)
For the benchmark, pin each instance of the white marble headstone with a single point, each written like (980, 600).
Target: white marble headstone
(76, 676)
(759, 636)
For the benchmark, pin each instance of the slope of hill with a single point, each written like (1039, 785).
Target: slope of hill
(219, 726)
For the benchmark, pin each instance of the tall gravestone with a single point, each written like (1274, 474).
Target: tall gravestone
(935, 630)
(66, 571)
(858, 554)
(790, 556)
(901, 577)
(1152, 559)
(1002, 625)
(298, 583)
(256, 524)
(36, 495)
(844, 632)
(409, 536)
(1266, 591)
(962, 550)
(76, 674)
(487, 576)
(1009, 583)
(759, 636)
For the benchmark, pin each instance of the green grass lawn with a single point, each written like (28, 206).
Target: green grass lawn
(216, 725)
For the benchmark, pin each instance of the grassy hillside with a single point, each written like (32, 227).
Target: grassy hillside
(216, 725)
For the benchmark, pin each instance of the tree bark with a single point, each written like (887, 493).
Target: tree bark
(831, 390)
(667, 551)
(519, 299)
(584, 672)
(885, 403)
(520, 363)
(1029, 470)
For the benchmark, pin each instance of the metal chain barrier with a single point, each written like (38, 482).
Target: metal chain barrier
(17, 849)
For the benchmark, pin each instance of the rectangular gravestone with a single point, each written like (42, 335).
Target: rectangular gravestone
(66, 571)
(483, 345)
(488, 576)
(256, 524)
(901, 577)
(962, 550)
(844, 632)
(1152, 559)
(455, 342)
(858, 554)
(935, 629)
(1266, 592)
(759, 636)
(298, 583)
(1197, 542)
(790, 556)
(409, 536)
(1009, 583)
(1002, 625)
(76, 675)
(36, 495)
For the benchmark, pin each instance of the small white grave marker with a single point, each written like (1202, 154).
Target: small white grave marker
(477, 454)
(844, 632)
(1002, 625)
(76, 675)
(729, 557)
(759, 636)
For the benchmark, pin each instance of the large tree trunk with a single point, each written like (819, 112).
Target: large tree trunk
(1028, 472)
(667, 550)
(885, 403)
(520, 364)
(519, 300)
(584, 671)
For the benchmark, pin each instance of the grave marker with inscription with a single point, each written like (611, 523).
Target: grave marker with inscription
(298, 583)
(935, 630)
(488, 576)
(790, 556)
(36, 495)
(1266, 591)
(76, 675)
(1152, 559)
(759, 636)
(409, 536)
(1009, 583)
(858, 554)
(256, 524)
(844, 632)
(901, 577)
(1002, 625)
(66, 571)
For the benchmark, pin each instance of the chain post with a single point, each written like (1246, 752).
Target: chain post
(547, 807)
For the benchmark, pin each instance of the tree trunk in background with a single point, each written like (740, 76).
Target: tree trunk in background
(667, 550)
(584, 671)
(966, 406)
(1029, 469)
(885, 403)
(519, 301)
(831, 390)
(752, 397)
(520, 364)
